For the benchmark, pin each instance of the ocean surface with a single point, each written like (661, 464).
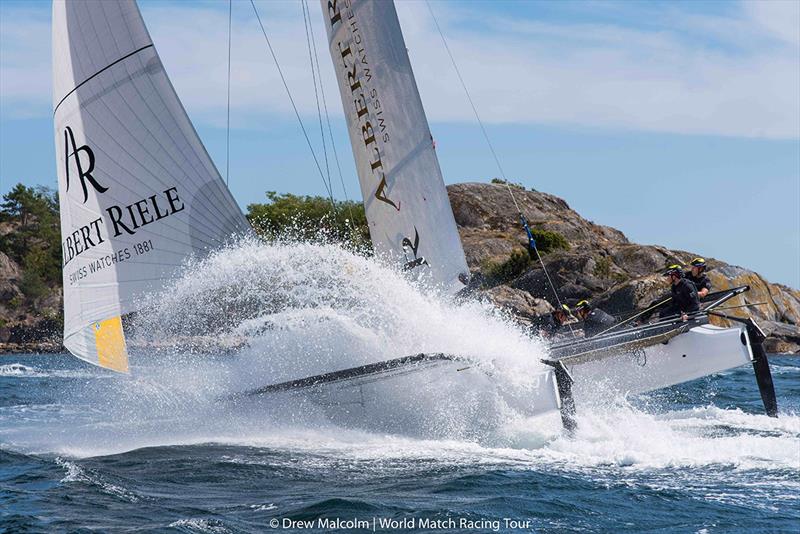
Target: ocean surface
(170, 448)
(694, 458)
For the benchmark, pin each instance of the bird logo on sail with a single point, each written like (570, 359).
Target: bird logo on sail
(414, 247)
(83, 175)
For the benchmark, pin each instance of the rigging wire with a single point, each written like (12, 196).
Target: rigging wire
(523, 220)
(309, 39)
(294, 106)
(472, 104)
(228, 132)
(330, 129)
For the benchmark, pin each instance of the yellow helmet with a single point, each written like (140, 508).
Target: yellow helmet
(565, 309)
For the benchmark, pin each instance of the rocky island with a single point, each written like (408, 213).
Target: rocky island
(595, 262)
(584, 259)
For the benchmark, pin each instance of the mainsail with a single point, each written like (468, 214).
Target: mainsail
(410, 218)
(138, 192)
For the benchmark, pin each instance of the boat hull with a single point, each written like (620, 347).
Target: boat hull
(438, 392)
(702, 351)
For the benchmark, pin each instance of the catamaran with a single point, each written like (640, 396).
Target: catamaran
(139, 195)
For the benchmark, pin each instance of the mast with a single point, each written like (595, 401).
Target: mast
(410, 219)
(138, 192)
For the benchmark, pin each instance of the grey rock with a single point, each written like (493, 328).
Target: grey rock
(601, 265)
(518, 302)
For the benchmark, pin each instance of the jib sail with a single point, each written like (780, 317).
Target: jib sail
(138, 192)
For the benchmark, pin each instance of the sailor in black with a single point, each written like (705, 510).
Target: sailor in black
(697, 275)
(684, 294)
(549, 325)
(594, 320)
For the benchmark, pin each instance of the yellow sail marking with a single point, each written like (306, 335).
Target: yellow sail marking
(110, 343)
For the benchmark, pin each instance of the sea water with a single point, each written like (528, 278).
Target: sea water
(168, 449)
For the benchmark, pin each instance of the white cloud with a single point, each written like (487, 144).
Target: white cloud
(610, 76)
(194, 52)
(737, 75)
(780, 18)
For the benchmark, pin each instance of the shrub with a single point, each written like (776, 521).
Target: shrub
(304, 217)
(500, 181)
(514, 266)
(516, 185)
(602, 267)
(547, 241)
(32, 285)
(620, 277)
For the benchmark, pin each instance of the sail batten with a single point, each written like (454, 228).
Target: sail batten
(410, 219)
(138, 192)
(123, 58)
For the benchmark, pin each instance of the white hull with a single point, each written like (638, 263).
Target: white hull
(447, 397)
(702, 351)
(391, 393)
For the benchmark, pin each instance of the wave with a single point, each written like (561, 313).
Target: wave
(305, 308)
(622, 437)
(211, 526)
(81, 475)
(20, 370)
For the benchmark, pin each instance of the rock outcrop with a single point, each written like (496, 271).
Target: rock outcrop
(600, 265)
(25, 325)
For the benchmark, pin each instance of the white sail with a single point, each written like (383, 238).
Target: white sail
(409, 213)
(138, 192)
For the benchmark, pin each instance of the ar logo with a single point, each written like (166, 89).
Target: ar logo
(83, 175)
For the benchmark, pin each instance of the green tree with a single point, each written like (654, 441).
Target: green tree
(18, 203)
(34, 243)
(305, 217)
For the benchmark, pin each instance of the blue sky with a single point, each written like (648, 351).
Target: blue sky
(678, 123)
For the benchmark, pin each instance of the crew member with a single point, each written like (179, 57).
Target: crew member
(697, 275)
(594, 320)
(684, 294)
(550, 324)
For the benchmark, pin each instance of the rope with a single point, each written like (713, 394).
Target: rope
(531, 241)
(228, 132)
(294, 106)
(629, 319)
(474, 109)
(309, 40)
(330, 129)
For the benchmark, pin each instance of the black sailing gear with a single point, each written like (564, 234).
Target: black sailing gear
(684, 299)
(699, 282)
(597, 321)
(549, 325)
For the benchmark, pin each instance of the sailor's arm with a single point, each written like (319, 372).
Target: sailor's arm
(686, 298)
(704, 287)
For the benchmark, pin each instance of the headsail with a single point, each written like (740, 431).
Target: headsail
(410, 218)
(138, 192)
